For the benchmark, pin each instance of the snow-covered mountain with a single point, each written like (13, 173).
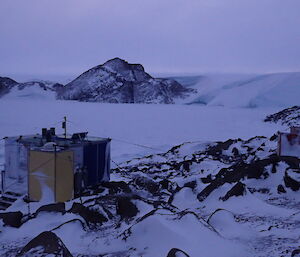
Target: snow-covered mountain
(6, 84)
(268, 90)
(117, 81)
(32, 90)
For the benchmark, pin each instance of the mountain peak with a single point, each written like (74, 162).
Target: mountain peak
(117, 81)
(118, 64)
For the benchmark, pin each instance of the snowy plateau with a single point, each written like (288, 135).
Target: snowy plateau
(198, 177)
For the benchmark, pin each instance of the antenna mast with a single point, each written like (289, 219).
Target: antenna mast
(64, 126)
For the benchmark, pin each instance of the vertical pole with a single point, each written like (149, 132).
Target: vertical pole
(28, 173)
(28, 208)
(279, 144)
(65, 126)
(55, 173)
(97, 169)
(2, 181)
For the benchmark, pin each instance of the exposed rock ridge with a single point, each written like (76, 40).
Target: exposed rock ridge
(117, 81)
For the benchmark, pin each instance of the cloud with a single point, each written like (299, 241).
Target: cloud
(54, 36)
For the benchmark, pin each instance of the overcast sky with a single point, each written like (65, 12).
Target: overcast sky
(57, 37)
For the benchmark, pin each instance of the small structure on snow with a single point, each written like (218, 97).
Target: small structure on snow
(55, 168)
(289, 143)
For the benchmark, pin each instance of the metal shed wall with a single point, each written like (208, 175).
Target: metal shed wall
(96, 157)
(16, 158)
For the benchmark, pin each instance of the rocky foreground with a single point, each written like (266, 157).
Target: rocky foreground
(237, 194)
(289, 116)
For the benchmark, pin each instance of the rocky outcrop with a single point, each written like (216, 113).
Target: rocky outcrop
(117, 81)
(45, 244)
(54, 207)
(238, 189)
(125, 208)
(174, 252)
(6, 84)
(12, 219)
(91, 217)
(289, 116)
(291, 183)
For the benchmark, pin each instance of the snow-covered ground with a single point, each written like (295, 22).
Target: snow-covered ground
(156, 126)
(252, 225)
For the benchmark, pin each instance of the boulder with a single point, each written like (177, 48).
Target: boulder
(147, 184)
(125, 208)
(12, 219)
(280, 189)
(175, 252)
(46, 243)
(237, 190)
(296, 253)
(191, 184)
(116, 187)
(54, 207)
(291, 183)
(91, 217)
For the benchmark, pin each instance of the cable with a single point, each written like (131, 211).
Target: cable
(144, 146)
(120, 140)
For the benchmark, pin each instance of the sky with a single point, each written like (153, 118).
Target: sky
(66, 37)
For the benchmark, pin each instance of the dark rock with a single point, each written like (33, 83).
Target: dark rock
(235, 151)
(46, 243)
(191, 184)
(280, 189)
(263, 190)
(174, 251)
(91, 217)
(273, 170)
(147, 184)
(125, 208)
(165, 184)
(54, 207)
(296, 253)
(186, 165)
(207, 179)
(217, 149)
(237, 190)
(12, 219)
(289, 116)
(254, 170)
(291, 183)
(6, 84)
(117, 187)
(274, 137)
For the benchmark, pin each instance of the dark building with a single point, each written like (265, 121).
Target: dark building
(55, 167)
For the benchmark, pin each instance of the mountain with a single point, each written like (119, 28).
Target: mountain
(6, 84)
(117, 81)
(37, 89)
(250, 91)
